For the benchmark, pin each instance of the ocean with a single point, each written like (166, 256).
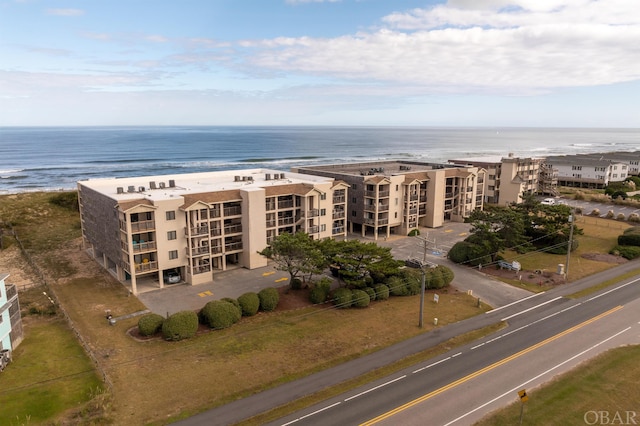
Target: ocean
(55, 158)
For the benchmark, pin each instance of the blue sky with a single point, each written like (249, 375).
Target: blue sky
(540, 63)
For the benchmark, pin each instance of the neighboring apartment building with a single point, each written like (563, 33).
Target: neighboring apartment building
(630, 158)
(11, 333)
(398, 196)
(585, 171)
(510, 177)
(144, 229)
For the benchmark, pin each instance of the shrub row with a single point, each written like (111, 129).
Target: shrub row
(216, 314)
(628, 252)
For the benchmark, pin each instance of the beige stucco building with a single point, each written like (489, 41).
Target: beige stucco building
(398, 196)
(509, 177)
(143, 228)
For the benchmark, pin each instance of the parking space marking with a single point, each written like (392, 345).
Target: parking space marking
(462, 234)
(448, 230)
(281, 279)
(266, 274)
(205, 294)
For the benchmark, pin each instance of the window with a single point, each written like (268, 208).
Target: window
(171, 215)
(354, 186)
(353, 213)
(173, 254)
(615, 175)
(354, 200)
(396, 201)
(576, 167)
(323, 212)
(396, 187)
(171, 235)
(323, 196)
(323, 227)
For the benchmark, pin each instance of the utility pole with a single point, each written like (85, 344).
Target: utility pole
(423, 264)
(572, 219)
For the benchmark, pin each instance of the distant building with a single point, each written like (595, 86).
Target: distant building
(155, 230)
(587, 171)
(510, 177)
(11, 333)
(398, 196)
(631, 159)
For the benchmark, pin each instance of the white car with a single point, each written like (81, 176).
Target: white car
(172, 277)
(548, 202)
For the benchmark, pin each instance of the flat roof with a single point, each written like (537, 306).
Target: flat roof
(381, 168)
(161, 187)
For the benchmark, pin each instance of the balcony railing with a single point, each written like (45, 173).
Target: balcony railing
(140, 247)
(216, 249)
(270, 206)
(216, 232)
(271, 223)
(285, 204)
(285, 221)
(199, 230)
(313, 213)
(146, 267)
(337, 230)
(232, 211)
(198, 251)
(12, 291)
(383, 207)
(413, 197)
(201, 269)
(338, 214)
(232, 229)
(337, 199)
(143, 226)
(233, 246)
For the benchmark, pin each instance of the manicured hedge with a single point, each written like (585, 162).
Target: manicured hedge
(249, 304)
(181, 325)
(382, 292)
(630, 237)
(360, 299)
(343, 298)
(318, 295)
(628, 252)
(371, 292)
(269, 298)
(219, 314)
(150, 324)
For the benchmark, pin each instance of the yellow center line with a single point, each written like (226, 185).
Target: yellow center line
(486, 369)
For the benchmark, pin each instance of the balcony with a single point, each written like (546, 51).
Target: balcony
(213, 213)
(338, 214)
(338, 199)
(232, 211)
(201, 269)
(413, 197)
(233, 246)
(271, 223)
(216, 249)
(383, 207)
(370, 207)
(198, 251)
(142, 247)
(313, 229)
(233, 229)
(270, 206)
(144, 225)
(337, 230)
(285, 204)
(313, 213)
(198, 230)
(146, 267)
(285, 221)
(216, 232)
(11, 290)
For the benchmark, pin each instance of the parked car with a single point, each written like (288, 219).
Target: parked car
(548, 202)
(172, 277)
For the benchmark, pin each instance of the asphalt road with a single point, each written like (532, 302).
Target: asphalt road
(450, 375)
(526, 310)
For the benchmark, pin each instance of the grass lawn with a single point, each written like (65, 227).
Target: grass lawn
(607, 383)
(45, 380)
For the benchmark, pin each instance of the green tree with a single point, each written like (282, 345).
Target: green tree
(298, 254)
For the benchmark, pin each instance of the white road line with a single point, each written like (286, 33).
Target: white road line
(531, 308)
(477, 346)
(312, 414)
(513, 303)
(520, 386)
(431, 365)
(613, 289)
(453, 356)
(377, 387)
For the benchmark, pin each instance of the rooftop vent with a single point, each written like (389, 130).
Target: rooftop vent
(141, 189)
(237, 178)
(120, 190)
(152, 185)
(161, 185)
(267, 176)
(172, 183)
(281, 175)
(131, 188)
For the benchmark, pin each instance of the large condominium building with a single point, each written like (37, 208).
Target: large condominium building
(510, 177)
(630, 158)
(11, 333)
(586, 171)
(151, 230)
(398, 196)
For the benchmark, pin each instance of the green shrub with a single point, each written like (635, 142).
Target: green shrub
(436, 280)
(469, 253)
(181, 325)
(269, 298)
(628, 252)
(382, 292)
(324, 284)
(371, 292)
(634, 217)
(447, 274)
(249, 304)
(360, 299)
(219, 314)
(234, 302)
(150, 324)
(296, 284)
(342, 298)
(66, 200)
(414, 232)
(630, 237)
(318, 295)
(397, 287)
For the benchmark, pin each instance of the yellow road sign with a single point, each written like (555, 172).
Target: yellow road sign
(523, 395)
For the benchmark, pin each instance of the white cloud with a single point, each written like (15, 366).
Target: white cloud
(65, 12)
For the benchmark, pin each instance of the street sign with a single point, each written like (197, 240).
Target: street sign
(523, 395)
